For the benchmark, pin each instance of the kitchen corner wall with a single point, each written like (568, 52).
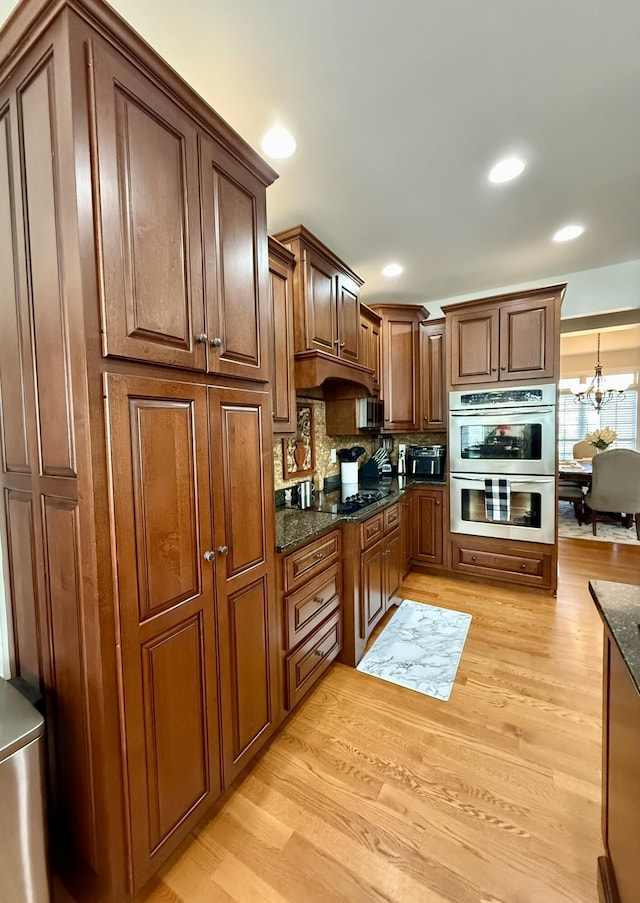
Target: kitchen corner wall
(324, 444)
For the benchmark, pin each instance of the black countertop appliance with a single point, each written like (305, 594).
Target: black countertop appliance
(427, 461)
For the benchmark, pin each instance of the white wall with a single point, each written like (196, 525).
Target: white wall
(615, 287)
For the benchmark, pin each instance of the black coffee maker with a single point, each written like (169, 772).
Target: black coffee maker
(427, 461)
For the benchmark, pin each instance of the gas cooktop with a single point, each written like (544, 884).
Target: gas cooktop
(333, 503)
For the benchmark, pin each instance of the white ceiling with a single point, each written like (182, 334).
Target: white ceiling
(400, 109)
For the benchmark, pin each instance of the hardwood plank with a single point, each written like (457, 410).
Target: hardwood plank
(374, 792)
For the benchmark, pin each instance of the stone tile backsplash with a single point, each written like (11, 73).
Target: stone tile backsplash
(324, 444)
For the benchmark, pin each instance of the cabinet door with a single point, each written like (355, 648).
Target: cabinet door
(428, 526)
(242, 480)
(393, 567)
(235, 265)
(348, 318)
(320, 299)
(434, 408)
(365, 343)
(400, 382)
(148, 233)
(283, 390)
(165, 611)
(407, 530)
(527, 339)
(474, 346)
(372, 588)
(375, 354)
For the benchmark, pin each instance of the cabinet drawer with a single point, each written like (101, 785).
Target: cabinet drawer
(371, 530)
(310, 560)
(526, 566)
(310, 605)
(391, 518)
(306, 664)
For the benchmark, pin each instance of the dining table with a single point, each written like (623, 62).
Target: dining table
(576, 471)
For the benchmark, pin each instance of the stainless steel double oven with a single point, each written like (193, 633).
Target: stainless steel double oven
(506, 435)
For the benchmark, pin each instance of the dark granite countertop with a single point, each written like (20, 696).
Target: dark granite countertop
(295, 527)
(619, 607)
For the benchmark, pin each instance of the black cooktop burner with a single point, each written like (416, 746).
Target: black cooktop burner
(334, 504)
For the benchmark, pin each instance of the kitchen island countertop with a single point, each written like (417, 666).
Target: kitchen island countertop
(619, 607)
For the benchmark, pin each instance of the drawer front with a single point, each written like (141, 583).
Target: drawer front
(371, 530)
(311, 660)
(526, 567)
(308, 561)
(306, 608)
(391, 517)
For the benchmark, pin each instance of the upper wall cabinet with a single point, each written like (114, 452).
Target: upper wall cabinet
(433, 376)
(283, 389)
(370, 343)
(508, 338)
(400, 365)
(326, 315)
(158, 178)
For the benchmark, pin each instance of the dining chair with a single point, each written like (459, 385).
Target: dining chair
(615, 486)
(571, 492)
(583, 449)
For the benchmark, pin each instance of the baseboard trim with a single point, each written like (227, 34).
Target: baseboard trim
(607, 888)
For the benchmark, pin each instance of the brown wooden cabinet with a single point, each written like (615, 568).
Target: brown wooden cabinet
(159, 177)
(373, 555)
(407, 530)
(132, 234)
(283, 389)
(507, 338)
(529, 564)
(312, 613)
(428, 525)
(242, 482)
(400, 365)
(371, 343)
(433, 377)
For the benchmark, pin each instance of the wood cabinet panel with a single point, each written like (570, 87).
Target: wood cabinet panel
(283, 390)
(394, 567)
(400, 375)
(371, 530)
(306, 608)
(70, 721)
(348, 318)
(372, 590)
(149, 224)
(242, 482)
(27, 638)
(158, 434)
(391, 517)
(526, 563)
(433, 376)
(305, 665)
(370, 343)
(527, 339)
(428, 525)
(321, 322)
(234, 221)
(304, 563)
(175, 724)
(13, 425)
(39, 152)
(474, 347)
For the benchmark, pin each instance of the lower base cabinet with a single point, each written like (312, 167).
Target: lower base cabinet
(427, 520)
(528, 564)
(311, 591)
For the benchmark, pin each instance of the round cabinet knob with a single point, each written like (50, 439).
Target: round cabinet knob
(493, 369)
(201, 338)
(474, 557)
(209, 556)
(223, 550)
(318, 556)
(503, 367)
(342, 344)
(318, 652)
(216, 342)
(318, 600)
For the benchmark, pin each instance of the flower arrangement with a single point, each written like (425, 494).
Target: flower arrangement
(603, 438)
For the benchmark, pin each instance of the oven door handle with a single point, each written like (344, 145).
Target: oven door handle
(504, 412)
(512, 482)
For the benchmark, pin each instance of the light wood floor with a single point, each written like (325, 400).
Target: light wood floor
(372, 792)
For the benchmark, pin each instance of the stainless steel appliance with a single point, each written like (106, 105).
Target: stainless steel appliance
(333, 503)
(511, 431)
(531, 510)
(427, 461)
(369, 413)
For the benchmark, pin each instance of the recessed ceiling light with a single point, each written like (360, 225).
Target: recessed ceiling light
(278, 143)
(392, 269)
(506, 170)
(568, 232)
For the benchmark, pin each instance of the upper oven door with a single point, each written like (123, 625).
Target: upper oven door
(509, 440)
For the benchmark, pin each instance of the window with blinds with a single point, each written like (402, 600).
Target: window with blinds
(575, 420)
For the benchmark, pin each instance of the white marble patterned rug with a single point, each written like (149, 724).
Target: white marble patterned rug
(420, 649)
(569, 526)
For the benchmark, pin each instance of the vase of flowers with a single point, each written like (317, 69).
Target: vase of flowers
(602, 439)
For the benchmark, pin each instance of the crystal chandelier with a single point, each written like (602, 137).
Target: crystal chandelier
(597, 393)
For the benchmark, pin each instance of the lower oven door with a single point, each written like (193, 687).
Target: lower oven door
(527, 513)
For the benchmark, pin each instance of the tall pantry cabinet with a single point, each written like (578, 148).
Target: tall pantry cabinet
(137, 470)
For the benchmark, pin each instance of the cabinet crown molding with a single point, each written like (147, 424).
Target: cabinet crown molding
(301, 233)
(543, 292)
